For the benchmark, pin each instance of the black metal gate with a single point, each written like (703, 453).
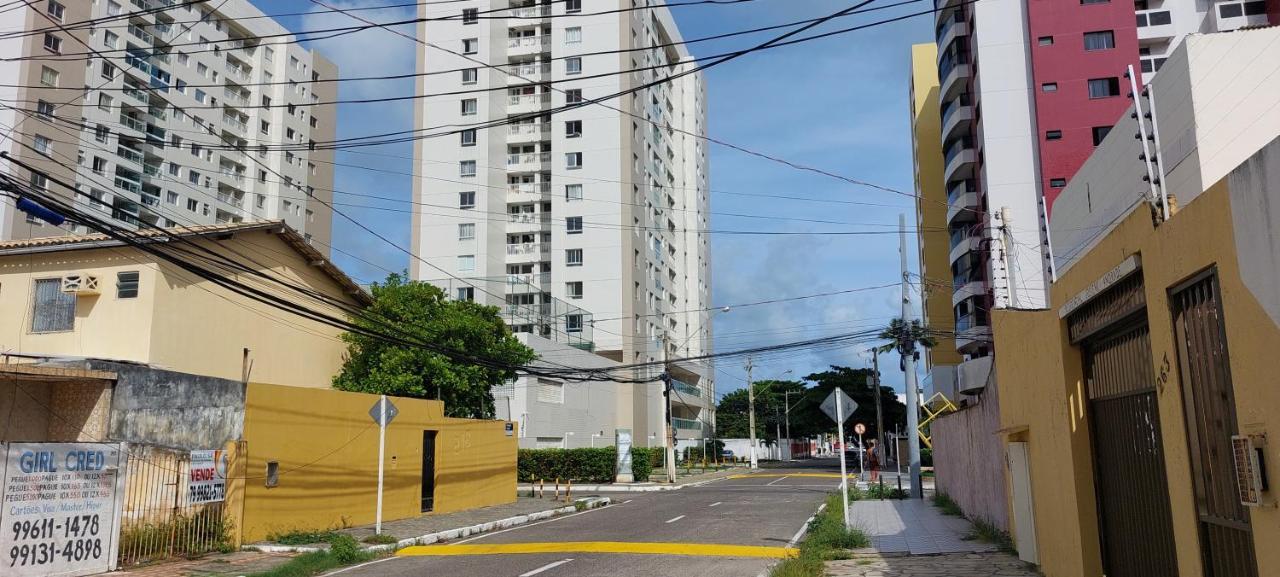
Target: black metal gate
(1136, 524)
(428, 470)
(1226, 537)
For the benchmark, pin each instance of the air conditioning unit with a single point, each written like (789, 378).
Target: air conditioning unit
(80, 284)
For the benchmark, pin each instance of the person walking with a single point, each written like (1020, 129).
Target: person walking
(873, 460)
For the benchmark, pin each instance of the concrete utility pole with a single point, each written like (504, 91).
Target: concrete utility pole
(786, 415)
(751, 413)
(670, 434)
(875, 367)
(907, 347)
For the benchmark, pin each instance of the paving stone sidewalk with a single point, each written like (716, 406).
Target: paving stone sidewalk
(217, 565)
(944, 565)
(913, 526)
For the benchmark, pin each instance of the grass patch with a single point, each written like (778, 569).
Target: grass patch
(988, 533)
(948, 506)
(827, 539)
(383, 539)
(343, 550)
(885, 492)
(302, 537)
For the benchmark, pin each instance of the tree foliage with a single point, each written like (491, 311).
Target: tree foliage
(807, 418)
(375, 366)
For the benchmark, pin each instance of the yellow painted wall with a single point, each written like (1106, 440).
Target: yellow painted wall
(1041, 389)
(327, 448)
(931, 208)
(179, 322)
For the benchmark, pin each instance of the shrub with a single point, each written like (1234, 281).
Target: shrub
(642, 462)
(583, 465)
(345, 550)
(300, 537)
(827, 539)
(383, 539)
(926, 457)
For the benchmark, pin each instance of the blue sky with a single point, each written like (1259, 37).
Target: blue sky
(839, 104)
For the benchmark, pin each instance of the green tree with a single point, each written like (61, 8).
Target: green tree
(375, 366)
(904, 337)
(731, 412)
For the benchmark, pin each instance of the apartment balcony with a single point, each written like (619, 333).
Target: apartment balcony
(687, 395)
(962, 203)
(964, 241)
(693, 426)
(1155, 26)
(527, 103)
(235, 97)
(957, 116)
(526, 73)
(972, 332)
(527, 222)
(128, 185)
(959, 159)
(232, 178)
(130, 154)
(525, 283)
(530, 11)
(527, 192)
(943, 9)
(528, 132)
(967, 287)
(231, 197)
(132, 123)
(529, 162)
(235, 123)
(1237, 14)
(953, 26)
(240, 73)
(137, 95)
(954, 71)
(528, 45)
(527, 252)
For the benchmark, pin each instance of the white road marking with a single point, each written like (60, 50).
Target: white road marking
(716, 504)
(627, 501)
(770, 483)
(675, 519)
(345, 569)
(547, 567)
(528, 525)
(803, 528)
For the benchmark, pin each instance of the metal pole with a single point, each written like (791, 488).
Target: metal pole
(907, 348)
(382, 449)
(875, 364)
(844, 474)
(670, 434)
(786, 415)
(751, 414)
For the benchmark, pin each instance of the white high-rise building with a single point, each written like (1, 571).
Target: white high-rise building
(158, 111)
(588, 224)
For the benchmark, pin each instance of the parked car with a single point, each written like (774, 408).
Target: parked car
(726, 454)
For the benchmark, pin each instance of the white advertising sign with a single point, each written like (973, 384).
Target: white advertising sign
(60, 514)
(207, 482)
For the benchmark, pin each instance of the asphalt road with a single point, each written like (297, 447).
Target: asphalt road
(730, 527)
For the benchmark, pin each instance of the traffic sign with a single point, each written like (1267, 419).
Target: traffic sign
(859, 429)
(847, 406)
(376, 412)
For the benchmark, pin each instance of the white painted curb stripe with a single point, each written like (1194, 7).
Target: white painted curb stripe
(547, 567)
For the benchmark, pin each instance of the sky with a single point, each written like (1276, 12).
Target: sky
(840, 104)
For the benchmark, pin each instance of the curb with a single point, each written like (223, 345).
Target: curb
(450, 534)
(627, 488)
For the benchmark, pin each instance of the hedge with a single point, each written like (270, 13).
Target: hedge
(583, 465)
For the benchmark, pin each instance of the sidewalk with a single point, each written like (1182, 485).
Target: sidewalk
(913, 526)
(948, 565)
(472, 521)
(214, 565)
(696, 477)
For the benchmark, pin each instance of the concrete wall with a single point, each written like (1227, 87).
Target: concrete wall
(327, 449)
(587, 408)
(969, 458)
(170, 409)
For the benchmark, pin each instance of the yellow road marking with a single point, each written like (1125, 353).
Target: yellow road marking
(693, 549)
(811, 475)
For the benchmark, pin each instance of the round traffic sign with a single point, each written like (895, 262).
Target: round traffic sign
(859, 428)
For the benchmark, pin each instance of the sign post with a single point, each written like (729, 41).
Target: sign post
(382, 412)
(840, 407)
(859, 429)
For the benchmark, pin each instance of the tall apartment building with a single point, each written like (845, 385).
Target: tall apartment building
(170, 122)
(1026, 91)
(592, 218)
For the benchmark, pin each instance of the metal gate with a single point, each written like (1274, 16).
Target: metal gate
(1226, 537)
(1136, 524)
(158, 521)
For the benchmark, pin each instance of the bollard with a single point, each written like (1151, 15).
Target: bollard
(899, 481)
(557, 488)
(568, 491)
(542, 488)
(881, 488)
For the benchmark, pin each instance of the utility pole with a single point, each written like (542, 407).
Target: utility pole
(786, 415)
(751, 413)
(907, 347)
(875, 364)
(670, 434)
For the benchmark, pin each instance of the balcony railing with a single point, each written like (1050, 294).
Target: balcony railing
(528, 158)
(231, 199)
(236, 177)
(965, 187)
(529, 69)
(150, 169)
(679, 423)
(529, 188)
(138, 95)
(953, 105)
(238, 72)
(133, 123)
(956, 148)
(530, 217)
(129, 154)
(236, 96)
(956, 17)
(970, 321)
(128, 185)
(528, 248)
(529, 42)
(950, 61)
(518, 99)
(1153, 18)
(962, 234)
(528, 129)
(531, 11)
(240, 125)
(534, 279)
(685, 388)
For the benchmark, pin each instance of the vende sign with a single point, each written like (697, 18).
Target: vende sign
(207, 481)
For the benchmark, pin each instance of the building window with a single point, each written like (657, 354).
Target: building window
(573, 289)
(127, 285)
(573, 65)
(573, 225)
(44, 109)
(550, 392)
(466, 293)
(573, 323)
(1057, 182)
(466, 231)
(467, 199)
(171, 197)
(573, 35)
(48, 76)
(100, 133)
(192, 205)
(468, 137)
(467, 168)
(53, 310)
(469, 107)
(573, 160)
(52, 43)
(56, 10)
(573, 192)
(466, 262)
(1046, 41)
(573, 96)
(572, 128)
(1049, 87)
(573, 257)
(1053, 135)
(99, 165)
(1100, 133)
(108, 71)
(42, 145)
(470, 75)
(573, 5)
(470, 15)
(1104, 87)
(470, 45)
(1101, 40)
